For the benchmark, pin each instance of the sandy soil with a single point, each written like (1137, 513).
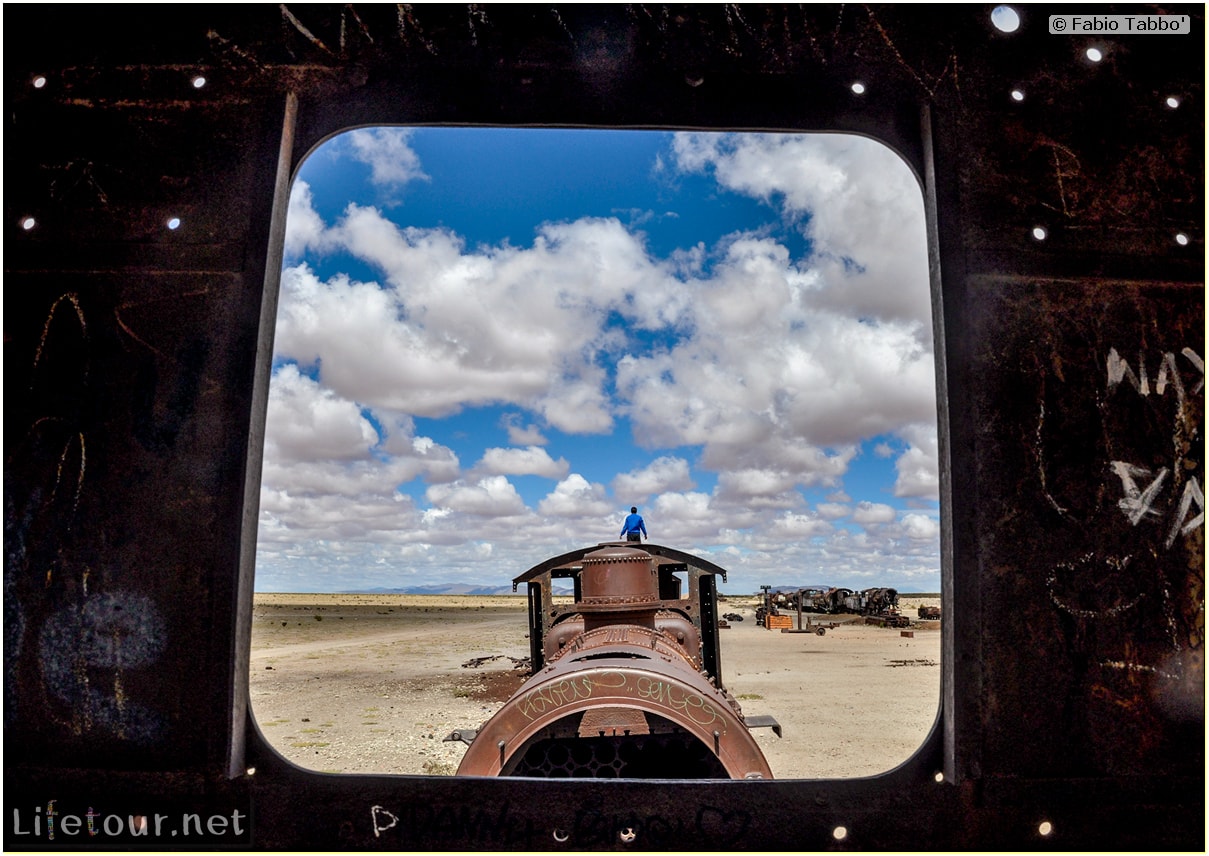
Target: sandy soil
(373, 683)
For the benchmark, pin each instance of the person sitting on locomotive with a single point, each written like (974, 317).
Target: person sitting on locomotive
(633, 526)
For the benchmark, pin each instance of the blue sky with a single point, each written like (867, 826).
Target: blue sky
(492, 342)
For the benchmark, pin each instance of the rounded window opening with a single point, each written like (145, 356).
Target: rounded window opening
(491, 344)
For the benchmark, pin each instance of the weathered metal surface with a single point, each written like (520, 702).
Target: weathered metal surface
(563, 697)
(136, 364)
(623, 654)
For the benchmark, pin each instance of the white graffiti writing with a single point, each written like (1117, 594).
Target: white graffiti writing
(1137, 503)
(565, 692)
(1192, 494)
(1141, 486)
(693, 706)
(378, 814)
(1169, 374)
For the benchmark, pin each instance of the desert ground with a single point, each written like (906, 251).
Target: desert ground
(373, 683)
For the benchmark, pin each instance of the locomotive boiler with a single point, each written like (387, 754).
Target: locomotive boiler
(626, 680)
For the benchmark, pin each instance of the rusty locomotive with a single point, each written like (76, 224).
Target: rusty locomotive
(626, 680)
(876, 604)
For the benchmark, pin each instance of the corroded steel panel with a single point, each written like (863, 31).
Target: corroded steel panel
(1074, 562)
(1090, 492)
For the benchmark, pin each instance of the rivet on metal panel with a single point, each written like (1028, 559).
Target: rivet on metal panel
(28, 223)
(1173, 102)
(173, 223)
(858, 88)
(1045, 828)
(40, 80)
(1040, 233)
(560, 836)
(1017, 94)
(839, 833)
(1181, 239)
(1095, 54)
(199, 82)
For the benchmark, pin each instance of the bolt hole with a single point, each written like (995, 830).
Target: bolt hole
(1173, 102)
(1005, 18)
(199, 82)
(839, 833)
(174, 223)
(1017, 95)
(28, 223)
(1095, 54)
(1181, 239)
(1040, 233)
(560, 836)
(1045, 828)
(39, 81)
(858, 88)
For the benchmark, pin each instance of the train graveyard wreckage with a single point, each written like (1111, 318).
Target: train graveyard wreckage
(878, 606)
(626, 680)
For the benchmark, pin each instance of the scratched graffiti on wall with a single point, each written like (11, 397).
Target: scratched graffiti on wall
(1131, 597)
(653, 690)
(80, 641)
(1143, 489)
(86, 650)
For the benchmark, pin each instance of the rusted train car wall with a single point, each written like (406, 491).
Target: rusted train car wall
(1070, 372)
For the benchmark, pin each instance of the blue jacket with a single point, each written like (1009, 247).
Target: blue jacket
(634, 523)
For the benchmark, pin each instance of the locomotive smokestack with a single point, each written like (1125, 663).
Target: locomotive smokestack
(619, 585)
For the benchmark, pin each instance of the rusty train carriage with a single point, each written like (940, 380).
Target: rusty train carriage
(1066, 248)
(626, 679)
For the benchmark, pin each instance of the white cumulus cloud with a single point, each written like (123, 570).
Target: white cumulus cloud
(388, 153)
(662, 474)
(531, 461)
